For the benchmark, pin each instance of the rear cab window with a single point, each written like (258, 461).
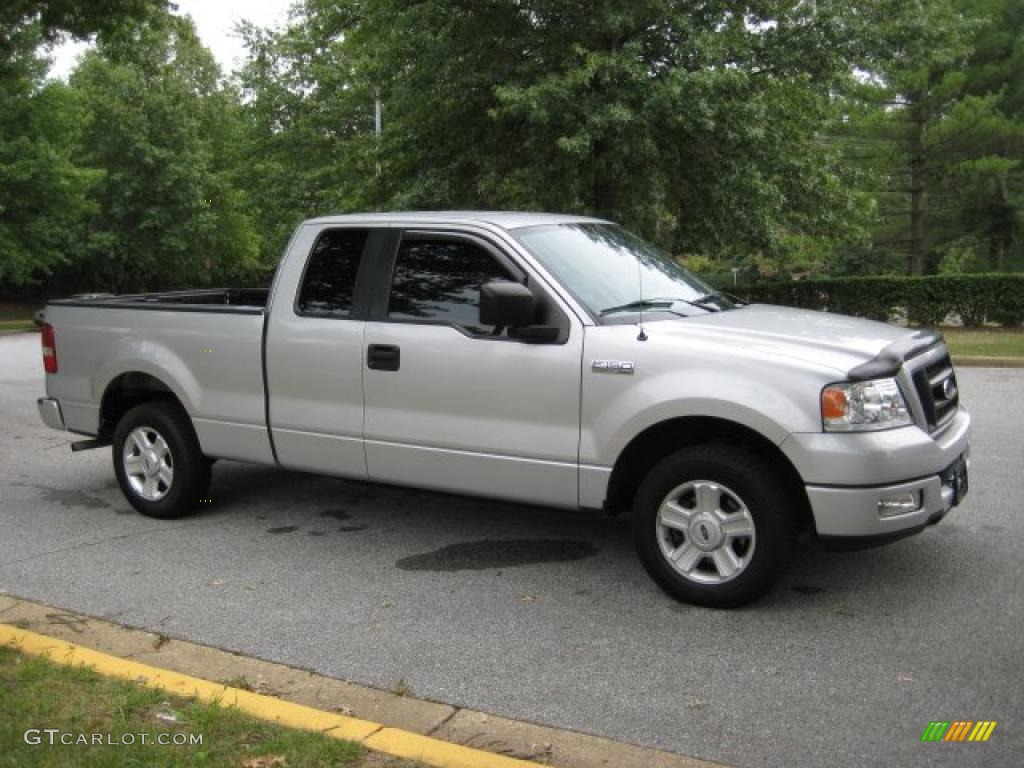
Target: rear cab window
(329, 282)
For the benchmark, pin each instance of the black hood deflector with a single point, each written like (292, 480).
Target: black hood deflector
(891, 358)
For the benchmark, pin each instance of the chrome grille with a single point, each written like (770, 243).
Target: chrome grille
(938, 392)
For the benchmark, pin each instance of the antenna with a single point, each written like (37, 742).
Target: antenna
(640, 282)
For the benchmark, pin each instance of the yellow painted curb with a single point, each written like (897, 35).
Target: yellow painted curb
(391, 741)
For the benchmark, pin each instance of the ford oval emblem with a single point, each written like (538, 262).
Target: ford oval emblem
(949, 388)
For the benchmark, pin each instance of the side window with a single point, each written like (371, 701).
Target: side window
(330, 278)
(439, 281)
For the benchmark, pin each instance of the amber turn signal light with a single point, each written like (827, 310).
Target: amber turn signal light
(833, 404)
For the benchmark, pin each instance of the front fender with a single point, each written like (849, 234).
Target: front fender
(675, 376)
(610, 428)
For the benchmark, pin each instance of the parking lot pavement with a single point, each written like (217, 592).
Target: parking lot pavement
(546, 615)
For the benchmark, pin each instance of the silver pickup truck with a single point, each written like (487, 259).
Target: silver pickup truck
(547, 359)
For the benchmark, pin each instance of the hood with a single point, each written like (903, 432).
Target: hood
(820, 338)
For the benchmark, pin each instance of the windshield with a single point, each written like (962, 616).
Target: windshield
(611, 270)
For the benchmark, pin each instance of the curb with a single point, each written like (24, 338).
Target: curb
(453, 733)
(374, 736)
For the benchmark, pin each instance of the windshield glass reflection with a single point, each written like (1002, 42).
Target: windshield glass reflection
(611, 270)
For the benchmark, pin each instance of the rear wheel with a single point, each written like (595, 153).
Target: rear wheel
(157, 460)
(713, 526)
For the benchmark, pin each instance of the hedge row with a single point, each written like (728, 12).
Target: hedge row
(926, 300)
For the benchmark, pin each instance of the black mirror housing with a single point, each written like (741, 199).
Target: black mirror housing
(536, 334)
(507, 304)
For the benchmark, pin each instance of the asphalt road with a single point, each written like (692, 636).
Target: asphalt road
(546, 615)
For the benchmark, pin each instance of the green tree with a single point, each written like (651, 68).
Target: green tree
(43, 194)
(310, 147)
(165, 132)
(693, 123)
(935, 131)
(79, 18)
(990, 179)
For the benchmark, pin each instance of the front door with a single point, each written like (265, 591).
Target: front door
(454, 405)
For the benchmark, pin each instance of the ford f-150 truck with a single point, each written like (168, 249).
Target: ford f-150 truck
(547, 359)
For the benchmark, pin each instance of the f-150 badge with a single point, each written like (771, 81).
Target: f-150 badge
(612, 366)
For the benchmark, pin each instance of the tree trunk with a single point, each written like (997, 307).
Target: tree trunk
(1001, 223)
(917, 202)
(604, 192)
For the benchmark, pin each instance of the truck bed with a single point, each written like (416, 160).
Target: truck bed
(235, 300)
(206, 344)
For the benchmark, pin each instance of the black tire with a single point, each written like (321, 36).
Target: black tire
(764, 507)
(179, 452)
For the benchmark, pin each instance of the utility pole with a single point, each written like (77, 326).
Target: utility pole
(377, 121)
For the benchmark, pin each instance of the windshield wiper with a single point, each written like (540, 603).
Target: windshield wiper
(710, 298)
(656, 302)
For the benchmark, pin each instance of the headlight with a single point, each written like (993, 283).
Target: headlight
(858, 406)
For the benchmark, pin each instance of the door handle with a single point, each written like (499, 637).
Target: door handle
(383, 357)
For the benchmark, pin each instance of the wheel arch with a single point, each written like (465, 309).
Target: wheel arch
(127, 390)
(655, 442)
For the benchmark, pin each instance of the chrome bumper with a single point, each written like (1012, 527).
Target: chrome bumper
(49, 412)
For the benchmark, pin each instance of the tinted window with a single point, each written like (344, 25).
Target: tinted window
(331, 274)
(439, 280)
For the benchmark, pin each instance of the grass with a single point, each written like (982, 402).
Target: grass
(241, 682)
(36, 693)
(987, 342)
(401, 688)
(9, 311)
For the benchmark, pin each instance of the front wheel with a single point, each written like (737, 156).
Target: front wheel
(157, 460)
(714, 526)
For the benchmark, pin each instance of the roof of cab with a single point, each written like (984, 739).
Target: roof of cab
(503, 219)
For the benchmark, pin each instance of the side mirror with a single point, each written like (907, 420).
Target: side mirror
(507, 305)
(536, 334)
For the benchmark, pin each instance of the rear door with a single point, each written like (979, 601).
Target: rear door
(452, 405)
(314, 351)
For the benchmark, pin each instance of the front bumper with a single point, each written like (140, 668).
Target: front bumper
(847, 476)
(49, 412)
(850, 518)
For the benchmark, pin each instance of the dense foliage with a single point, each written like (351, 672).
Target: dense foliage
(166, 134)
(693, 123)
(926, 300)
(938, 135)
(774, 137)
